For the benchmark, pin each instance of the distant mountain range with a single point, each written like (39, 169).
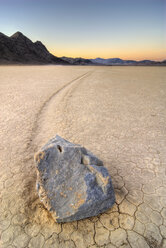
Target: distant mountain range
(18, 49)
(118, 61)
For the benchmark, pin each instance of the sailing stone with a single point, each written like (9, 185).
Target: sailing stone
(72, 183)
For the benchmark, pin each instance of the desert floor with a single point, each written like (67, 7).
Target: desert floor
(119, 113)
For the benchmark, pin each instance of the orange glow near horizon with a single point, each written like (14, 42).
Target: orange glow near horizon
(130, 54)
(129, 50)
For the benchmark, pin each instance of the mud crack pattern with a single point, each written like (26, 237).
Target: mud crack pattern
(116, 112)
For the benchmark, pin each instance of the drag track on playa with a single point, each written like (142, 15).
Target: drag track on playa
(119, 113)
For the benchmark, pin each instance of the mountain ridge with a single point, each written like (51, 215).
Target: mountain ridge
(118, 61)
(77, 61)
(18, 49)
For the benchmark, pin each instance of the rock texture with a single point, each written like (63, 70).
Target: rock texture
(19, 49)
(71, 182)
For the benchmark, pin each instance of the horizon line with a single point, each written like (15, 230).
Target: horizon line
(137, 60)
(89, 58)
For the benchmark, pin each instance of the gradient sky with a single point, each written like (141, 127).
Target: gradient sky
(129, 29)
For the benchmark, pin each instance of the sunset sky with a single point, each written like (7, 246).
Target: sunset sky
(128, 29)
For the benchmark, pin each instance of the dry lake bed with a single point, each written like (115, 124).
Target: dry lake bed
(119, 113)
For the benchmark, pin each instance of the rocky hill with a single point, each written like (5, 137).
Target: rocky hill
(19, 49)
(77, 61)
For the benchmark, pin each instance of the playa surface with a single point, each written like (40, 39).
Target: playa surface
(119, 113)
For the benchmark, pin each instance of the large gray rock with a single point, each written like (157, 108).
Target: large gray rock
(72, 183)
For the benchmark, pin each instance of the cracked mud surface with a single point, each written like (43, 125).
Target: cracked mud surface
(116, 112)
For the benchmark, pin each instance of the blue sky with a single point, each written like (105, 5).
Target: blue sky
(129, 29)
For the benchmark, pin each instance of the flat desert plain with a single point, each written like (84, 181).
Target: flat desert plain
(119, 113)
